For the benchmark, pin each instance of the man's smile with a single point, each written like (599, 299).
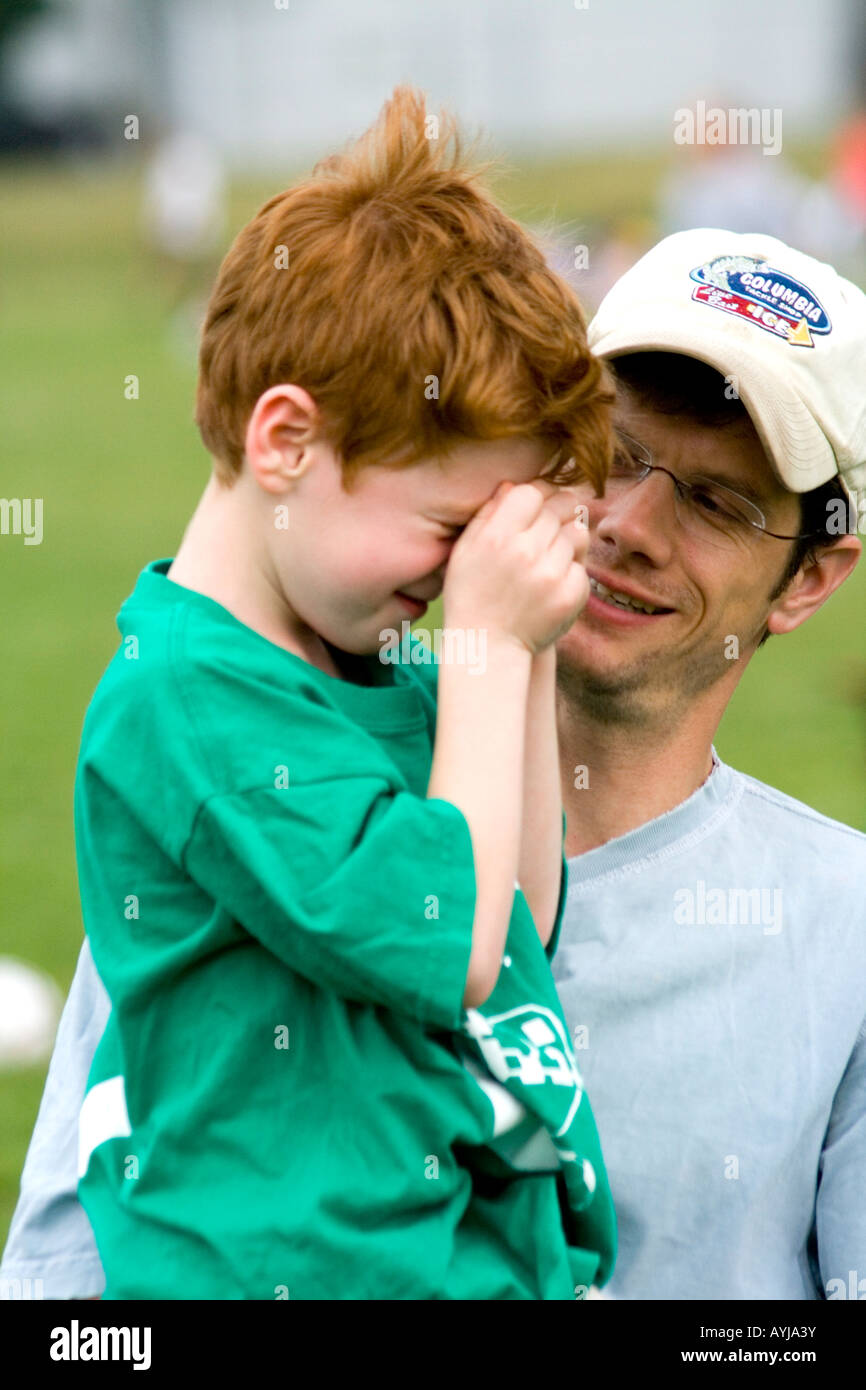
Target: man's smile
(614, 601)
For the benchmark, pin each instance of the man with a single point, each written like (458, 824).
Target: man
(713, 956)
(712, 961)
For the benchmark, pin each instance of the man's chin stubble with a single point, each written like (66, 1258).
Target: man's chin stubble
(643, 694)
(616, 697)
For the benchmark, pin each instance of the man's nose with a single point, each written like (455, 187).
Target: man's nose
(642, 518)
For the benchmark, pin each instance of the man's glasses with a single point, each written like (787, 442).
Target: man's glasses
(709, 511)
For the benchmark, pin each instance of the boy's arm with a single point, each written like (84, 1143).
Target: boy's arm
(514, 575)
(478, 767)
(540, 864)
(542, 868)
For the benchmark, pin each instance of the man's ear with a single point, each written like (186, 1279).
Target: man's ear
(282, 428)
(813, 584)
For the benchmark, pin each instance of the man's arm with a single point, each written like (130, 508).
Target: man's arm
(840, 1211)
(51, 1252)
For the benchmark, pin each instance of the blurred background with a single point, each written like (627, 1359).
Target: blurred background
(137, 136)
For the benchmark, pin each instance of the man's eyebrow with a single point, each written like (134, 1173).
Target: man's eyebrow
(741, 485)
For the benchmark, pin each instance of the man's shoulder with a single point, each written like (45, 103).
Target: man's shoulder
(799, 820)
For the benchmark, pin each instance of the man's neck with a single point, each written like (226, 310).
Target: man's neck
(618, 777)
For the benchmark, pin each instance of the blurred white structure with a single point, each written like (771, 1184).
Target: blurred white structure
(30, 1005)
(281, 79)
(184, 198)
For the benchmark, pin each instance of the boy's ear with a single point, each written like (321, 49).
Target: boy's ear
(813, 584)
(280, 431)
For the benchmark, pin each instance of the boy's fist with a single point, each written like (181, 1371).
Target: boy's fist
(517, 568)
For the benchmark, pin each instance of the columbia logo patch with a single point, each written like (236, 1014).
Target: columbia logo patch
(770, 298)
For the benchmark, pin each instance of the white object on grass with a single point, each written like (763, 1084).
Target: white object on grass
(30, 1005)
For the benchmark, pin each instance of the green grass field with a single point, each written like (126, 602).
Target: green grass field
(80, 310)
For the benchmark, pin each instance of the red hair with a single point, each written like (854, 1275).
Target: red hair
(388, 267)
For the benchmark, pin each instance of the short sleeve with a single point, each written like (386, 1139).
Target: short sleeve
(359, 889)
(840, 1213)
(50, 1239)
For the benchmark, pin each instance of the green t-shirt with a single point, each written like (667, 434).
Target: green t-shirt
(289, 1099)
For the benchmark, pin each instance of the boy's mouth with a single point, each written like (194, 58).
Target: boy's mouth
(416, 606)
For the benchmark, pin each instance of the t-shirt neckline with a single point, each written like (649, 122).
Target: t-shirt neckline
(395, 704)
(175, 592)
(712, 800)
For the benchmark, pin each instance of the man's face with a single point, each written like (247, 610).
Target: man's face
(631, 665)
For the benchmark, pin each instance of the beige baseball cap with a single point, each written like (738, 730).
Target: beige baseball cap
(786, 329)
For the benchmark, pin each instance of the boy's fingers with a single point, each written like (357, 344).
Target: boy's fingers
(545, 529)
(563, 551)
(515, 507)
(578, 535)
(574, 517)
(554, 526)
(571, 517)
(482, 512)
(492, 502)
(521, 505)
(567, 504)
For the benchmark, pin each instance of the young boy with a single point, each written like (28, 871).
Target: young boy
(335, 1064)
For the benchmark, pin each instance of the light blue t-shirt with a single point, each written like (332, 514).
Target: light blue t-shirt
(712, 968)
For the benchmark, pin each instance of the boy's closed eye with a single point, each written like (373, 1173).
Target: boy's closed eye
(452, 529)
